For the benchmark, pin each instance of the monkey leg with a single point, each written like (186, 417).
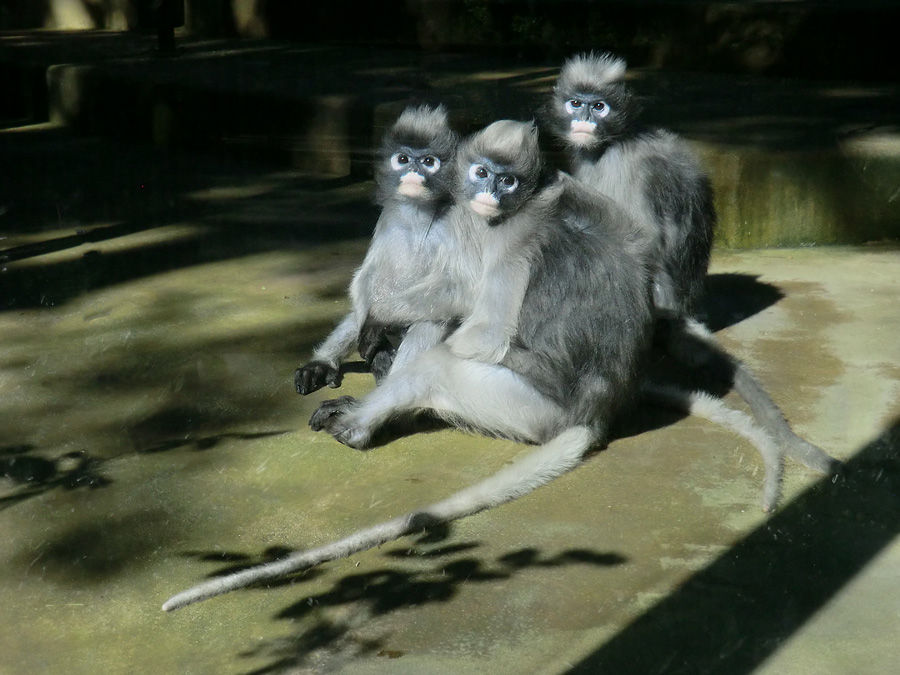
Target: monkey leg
(469, 394)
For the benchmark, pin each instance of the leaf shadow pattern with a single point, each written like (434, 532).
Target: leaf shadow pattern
(31, 475)
(417, 576)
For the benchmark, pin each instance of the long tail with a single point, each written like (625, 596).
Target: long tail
(714, 409)
(765, 410)
(550, 460)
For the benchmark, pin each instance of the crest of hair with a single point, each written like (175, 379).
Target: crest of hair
(590, 71)
(512, 143)
(424, 127)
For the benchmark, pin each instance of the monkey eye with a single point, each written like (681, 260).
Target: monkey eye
(431, 163)
(399, 160)
(572, 105)
(477, 172)
(600, 108)
(509, 181)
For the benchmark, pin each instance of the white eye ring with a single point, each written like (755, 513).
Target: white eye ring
(509, 182)
(477, 173)
(435, 164)
(572, 105)
(399, 160)
(604, 111)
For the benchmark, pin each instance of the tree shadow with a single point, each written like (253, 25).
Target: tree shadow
(729, 617)
(31, 475)
(417, 576)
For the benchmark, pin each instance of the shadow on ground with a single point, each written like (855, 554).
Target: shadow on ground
(60, 193)
(731, 616)
(415, 577)
(727, 618)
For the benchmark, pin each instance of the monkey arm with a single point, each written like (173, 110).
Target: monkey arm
(420, 337)
(486, 333)
(324, 368)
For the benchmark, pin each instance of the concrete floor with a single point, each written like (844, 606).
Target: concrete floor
(152, 310)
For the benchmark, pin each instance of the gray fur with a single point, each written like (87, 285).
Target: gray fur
(557, 318)
(653, 171)
(408, 238)
(559, 385)
(654, 174)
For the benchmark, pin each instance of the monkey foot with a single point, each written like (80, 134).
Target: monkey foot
(353, 437)
(329, 412)
(332, 416)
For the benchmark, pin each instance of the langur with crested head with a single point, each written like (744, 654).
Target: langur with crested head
(554, 323)
(655, 176)
(412, 181)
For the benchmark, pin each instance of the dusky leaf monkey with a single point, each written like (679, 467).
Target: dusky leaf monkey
(420, 272)
(413, 178)
(575, 270)
(656, 177)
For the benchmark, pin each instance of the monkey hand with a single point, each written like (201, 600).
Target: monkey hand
(479, 342)
(373, 340)
(315, 375)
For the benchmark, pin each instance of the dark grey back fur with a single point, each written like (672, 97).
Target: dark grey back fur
(586, 322)
(651, 172)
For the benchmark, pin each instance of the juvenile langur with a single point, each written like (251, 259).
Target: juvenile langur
(583, 330)
(413, 179)
(653, 174)
(582, 334)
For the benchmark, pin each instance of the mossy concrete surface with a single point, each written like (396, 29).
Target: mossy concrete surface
(153, 307)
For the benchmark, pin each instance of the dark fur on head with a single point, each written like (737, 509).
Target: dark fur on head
(418, 130)
(587, 76)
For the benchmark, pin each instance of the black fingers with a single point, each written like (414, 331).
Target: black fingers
(315, 375)
(373, 339)
(381, 364)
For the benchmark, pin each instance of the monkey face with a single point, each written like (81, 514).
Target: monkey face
(589, 119)
(492, 189)
(498, 168)
(412, 169)
(416, 156)
(590, 105)
(413, 173)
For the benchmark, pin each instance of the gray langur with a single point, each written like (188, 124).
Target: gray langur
(418, 277)
(654, 175)
(413, 177)
(582, 331)
(580, 335)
